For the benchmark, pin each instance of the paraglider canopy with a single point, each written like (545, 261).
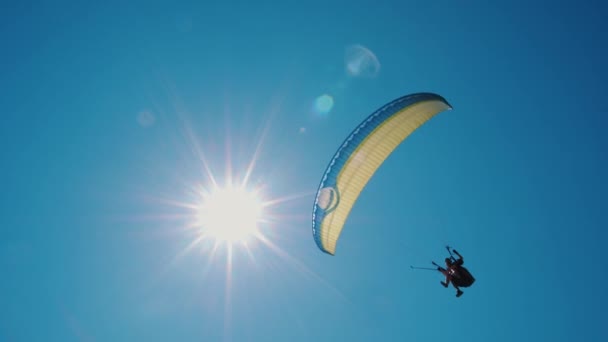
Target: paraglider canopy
(358, 158)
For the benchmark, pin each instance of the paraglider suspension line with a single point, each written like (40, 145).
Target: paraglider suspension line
(423, 268)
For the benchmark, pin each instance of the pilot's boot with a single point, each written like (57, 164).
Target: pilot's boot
(459, 293)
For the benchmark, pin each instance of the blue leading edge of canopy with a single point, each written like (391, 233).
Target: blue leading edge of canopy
(353, 141)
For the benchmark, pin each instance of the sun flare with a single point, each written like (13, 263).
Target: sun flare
(230, 214)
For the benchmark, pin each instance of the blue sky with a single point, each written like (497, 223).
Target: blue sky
(93, 248)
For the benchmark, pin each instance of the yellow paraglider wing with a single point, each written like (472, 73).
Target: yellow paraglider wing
(361, 155)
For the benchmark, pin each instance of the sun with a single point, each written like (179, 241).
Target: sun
(230, 214)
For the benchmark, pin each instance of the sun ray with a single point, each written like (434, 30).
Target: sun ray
(272, 113)
(288, 198)
(249, 252)
(228, 293)
(197, 241)
(179, 204)
(191, 137)
(256, 152)
(157, 217)
(228, 150)
(201, 156)
(301, 267)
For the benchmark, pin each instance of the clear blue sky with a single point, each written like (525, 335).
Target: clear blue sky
(513, 177)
